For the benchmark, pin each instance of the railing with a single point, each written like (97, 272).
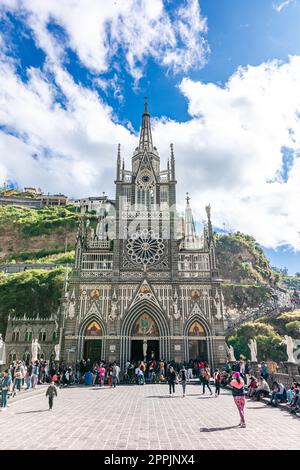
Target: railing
(97, 262)
(101, 244)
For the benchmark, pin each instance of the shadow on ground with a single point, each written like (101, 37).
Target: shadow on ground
(218, 429)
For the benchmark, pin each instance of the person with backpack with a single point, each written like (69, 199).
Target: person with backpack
(238, 393)
(217, 379)
(205, 376)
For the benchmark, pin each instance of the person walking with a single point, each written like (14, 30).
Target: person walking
(183, 379)
(171, 377)
(205, 380)
(5, 387)
(238, 393)
(114, 374)
(217, 379)
(51, 391)
(102, 375)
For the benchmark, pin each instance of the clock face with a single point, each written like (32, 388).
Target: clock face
(145, 248)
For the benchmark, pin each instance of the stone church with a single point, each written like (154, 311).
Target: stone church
(144, 284)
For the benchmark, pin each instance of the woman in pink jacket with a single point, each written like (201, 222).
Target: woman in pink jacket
(101, 374)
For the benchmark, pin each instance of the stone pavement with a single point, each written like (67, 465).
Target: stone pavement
(143, 417)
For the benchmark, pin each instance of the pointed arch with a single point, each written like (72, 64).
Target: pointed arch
(81, 334)
(208, 338)
(132, 316)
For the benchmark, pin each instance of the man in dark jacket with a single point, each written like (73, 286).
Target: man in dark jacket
(5, 385)
(51, 391)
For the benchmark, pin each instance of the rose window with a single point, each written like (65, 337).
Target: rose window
(145, 248)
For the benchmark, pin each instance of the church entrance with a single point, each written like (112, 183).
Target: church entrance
(145, 339)
(198, 350)
(197, 342)
(138, 347)
(92, 348)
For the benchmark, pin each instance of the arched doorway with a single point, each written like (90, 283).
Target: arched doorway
(92, 348)
(136, 328)
(144, 339)
(197, 342)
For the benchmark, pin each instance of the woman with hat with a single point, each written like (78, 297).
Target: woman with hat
(238, 393)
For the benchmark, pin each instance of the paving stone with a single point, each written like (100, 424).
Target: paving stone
(136, 417)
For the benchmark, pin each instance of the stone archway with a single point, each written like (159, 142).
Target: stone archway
(198, 344)
(155, 329)
(91, 340)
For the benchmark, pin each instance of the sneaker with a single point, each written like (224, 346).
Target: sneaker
(3, 409)
(242, 425)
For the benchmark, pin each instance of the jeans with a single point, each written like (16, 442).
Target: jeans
(115, 380)
(171, 386)
(34, 380)
(18, 384)
(50, 402)
(4, 398)
(205, 383)
(140, 380)
(276, 396)
(217, 388)
(183, 383)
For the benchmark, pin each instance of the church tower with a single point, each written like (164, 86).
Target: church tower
(138, 291)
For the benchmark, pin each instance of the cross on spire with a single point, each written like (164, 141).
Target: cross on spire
(187, 198)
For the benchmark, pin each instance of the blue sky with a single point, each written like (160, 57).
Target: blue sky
(73, 82)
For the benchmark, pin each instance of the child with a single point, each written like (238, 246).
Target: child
(51, 391)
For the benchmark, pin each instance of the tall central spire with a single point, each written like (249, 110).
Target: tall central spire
(146, 135)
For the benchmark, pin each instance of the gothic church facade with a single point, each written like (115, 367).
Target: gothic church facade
(140, 288)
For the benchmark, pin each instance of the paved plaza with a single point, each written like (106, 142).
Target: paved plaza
(142, 417)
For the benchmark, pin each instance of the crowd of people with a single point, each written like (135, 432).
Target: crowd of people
(239, 377)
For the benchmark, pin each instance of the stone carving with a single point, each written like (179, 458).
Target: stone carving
(57, 352)
(2, 351)
(230, 353)
(145, 346)
(113, 313)
(297, 350)
(71, 310)
(288, 340)
(252, 345)
(35, 348)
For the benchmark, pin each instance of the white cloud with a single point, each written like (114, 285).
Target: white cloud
(96, 29)
(280, 6)
(230, 152)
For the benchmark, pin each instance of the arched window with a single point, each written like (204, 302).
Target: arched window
(42, 336)
(12, 357)
(16, 335)
(54, 336)
(196, 329)
(28, 336)
(93, 329)
(145, 326)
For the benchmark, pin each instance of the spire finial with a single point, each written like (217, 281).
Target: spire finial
(187, 198)
(146, 135)
(146, 104)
